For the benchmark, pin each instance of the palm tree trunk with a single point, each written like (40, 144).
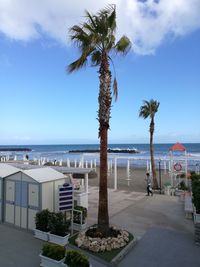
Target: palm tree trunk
(103, 218)
(155, 182)
(103, 117)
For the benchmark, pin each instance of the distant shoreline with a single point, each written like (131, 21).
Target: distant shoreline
(15, 149)
(110, 150)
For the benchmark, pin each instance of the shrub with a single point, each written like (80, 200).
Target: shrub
(77, 215)
(196, 191)
(75, 258)
(58, 225)
(54, 252)
(42, 219)
(182, 186)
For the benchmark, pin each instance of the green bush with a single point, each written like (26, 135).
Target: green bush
(54, 252)
(58, 225)
(42, 219)
(196, 191)
(77, 215)
(75, 258)
(182, 186)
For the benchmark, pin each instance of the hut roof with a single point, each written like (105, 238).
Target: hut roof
(42, 175)
(6, 170)
(177, 147)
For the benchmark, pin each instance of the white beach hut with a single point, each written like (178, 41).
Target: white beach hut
(27, 192)
(5, 170)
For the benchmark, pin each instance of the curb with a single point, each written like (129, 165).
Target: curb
(115, 260)
(124, 251)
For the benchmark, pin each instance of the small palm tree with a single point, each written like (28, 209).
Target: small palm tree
(96, 40)
(149, 109)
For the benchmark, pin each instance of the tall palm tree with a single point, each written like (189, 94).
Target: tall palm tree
(96, 40)
(149, 109)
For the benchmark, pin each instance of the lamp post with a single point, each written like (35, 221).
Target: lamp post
(159, 162)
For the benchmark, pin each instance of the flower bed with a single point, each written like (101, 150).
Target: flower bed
(110, 253)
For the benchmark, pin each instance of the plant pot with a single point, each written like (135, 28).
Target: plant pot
(41, 235)
(167, 190)
(59, 240)
(48, 262)
(79, 227)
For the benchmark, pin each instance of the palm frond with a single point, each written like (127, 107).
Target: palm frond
(149, 108)
(115, 89)
(96, 58)
(91, 18)
(82, 61)
(76, 65)
(79, 36)
(123, 45)
(112, 20)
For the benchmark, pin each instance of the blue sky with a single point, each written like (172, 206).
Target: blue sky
(42, 104)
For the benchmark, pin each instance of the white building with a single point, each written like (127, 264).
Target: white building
(25, 192)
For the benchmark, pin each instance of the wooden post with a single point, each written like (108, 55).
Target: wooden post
(128, 169)
(165, 167)
(186, 169)
(111, 166)
(115, 175)
(86, 182)
(95, 164)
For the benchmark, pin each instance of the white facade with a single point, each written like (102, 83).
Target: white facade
(30, 191)
(5, 170)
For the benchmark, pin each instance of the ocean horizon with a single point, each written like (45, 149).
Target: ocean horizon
(61, 152)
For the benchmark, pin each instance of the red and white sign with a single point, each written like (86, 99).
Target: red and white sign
(177, 167)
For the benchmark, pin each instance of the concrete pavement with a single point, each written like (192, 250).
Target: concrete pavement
(163, 247)
(18, 248)
(166, 237)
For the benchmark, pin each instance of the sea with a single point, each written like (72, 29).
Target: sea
(139, 159)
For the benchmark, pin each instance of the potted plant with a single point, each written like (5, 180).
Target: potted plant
(75, 258)
(42, 224)
(79, 218)
(59, 229)
(52, 255)
(196, 196)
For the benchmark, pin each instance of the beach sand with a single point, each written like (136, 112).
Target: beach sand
(137, 179)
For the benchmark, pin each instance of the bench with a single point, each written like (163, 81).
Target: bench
(188, 207)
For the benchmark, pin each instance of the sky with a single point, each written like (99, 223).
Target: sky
(42, 104)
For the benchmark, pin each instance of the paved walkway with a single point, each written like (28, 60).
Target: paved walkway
(18, 248)
(163, 247)
(166, 237)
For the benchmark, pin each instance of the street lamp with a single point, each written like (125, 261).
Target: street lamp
(159, 162)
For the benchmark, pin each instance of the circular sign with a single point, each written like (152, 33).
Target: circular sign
(177, 167)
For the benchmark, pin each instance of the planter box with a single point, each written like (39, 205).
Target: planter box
(48, 262)
(167, 190)
(41, 235)
(79, 227)
(65, 265)
(59, 240)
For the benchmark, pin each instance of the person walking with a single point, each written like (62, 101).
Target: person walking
(148, 180)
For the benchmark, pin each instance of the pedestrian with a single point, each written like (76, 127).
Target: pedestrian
(148, 180)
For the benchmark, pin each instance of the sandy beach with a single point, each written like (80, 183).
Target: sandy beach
(137, 179)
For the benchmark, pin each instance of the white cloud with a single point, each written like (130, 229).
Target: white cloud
(148, 23)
